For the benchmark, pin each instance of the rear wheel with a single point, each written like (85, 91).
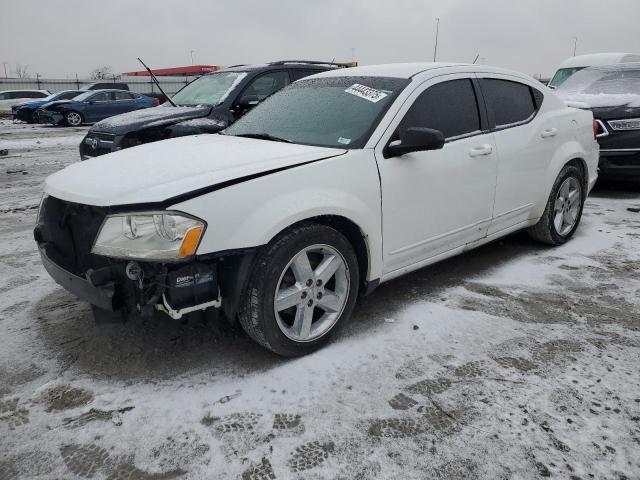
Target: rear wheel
(73, 119)
(303, 285)
(562, 214)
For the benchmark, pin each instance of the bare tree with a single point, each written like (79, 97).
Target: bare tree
(102, 73)
(21, 71)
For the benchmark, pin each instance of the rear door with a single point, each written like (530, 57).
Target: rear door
(525, 141)
(124, 102)
(435, 201)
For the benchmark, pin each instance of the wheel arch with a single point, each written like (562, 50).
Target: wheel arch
(353, 233)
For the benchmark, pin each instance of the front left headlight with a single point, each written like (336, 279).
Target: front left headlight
(149, 236)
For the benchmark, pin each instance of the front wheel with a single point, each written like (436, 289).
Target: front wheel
(303, 285)
(562, 214)
(73, 119)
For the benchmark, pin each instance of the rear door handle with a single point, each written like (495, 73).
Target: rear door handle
(480, 150)
(549, 132)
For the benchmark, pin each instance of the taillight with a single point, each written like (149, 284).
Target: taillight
(155, 102)
(599, 130)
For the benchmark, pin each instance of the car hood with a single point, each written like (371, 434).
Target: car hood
(54, 103)
(32, 104)
(156, 172)
(148, 118)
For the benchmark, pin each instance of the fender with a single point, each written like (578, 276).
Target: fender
(255, 211)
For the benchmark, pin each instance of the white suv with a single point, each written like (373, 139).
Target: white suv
(339, 182)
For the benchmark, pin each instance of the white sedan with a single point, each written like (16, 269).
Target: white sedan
(339, 182)
(9, 98)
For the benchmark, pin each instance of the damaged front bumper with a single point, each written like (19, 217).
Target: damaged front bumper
(65, 233)
(49, 116)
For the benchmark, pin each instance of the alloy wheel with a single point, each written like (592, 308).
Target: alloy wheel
(567, 206)
(74, 119)
(311, 293)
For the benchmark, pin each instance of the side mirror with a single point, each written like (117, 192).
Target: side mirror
(248, 102)
(415, 139)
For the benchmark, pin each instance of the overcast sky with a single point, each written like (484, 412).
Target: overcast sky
(58, 38)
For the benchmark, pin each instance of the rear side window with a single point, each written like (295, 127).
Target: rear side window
(512, 102)
(450, 107)
(122, 95)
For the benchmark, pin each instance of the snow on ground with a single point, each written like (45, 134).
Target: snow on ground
(511, 361)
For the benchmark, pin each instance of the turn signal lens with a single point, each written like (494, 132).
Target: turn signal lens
(190, 242)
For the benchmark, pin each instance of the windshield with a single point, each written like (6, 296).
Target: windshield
(562, 75)
(83, 96)
(604, 81)
(209, 89)
(330, 112)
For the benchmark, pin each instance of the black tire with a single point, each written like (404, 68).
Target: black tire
(545, 230)
(256, 313)
(33, 117)
(71, 115)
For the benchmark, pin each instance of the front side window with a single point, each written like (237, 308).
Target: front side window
(339, 112)
(512, 103)
(264, 86)
(209, 89)
(450, 107)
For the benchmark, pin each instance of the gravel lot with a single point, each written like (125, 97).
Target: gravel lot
(511, 361)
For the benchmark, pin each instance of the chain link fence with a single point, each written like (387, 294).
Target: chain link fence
(136, 84)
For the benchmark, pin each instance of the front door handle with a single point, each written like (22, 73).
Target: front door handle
(480, 150)
(549, 132)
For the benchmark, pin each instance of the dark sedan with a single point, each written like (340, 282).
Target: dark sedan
(93, 106)
(612, 93)
(28, 111)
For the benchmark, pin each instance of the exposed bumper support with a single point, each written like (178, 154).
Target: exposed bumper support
(101, 297)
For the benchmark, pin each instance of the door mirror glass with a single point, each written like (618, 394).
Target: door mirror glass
(248, 101)
(415, 139)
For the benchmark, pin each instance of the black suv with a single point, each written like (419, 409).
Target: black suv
(612, 93)
(207, 105)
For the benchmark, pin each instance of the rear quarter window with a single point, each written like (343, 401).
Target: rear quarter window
(512, 103)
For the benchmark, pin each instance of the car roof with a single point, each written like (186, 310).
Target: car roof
(410, 70)
(595, 59)
(618, 67)
(25, 90)
(293, 64)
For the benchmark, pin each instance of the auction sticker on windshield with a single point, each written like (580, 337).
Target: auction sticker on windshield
(365, 92)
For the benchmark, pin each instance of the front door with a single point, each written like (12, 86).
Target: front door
(435, 201)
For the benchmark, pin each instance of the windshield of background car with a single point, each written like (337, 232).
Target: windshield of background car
(337, 112)
(562, 75)
(209, 89)
(599, 81)
(83, 96)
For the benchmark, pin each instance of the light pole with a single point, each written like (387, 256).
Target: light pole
(4, 64)
(435, 47)
(575, 45)
(191, 53)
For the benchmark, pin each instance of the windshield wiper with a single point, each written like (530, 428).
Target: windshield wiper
(263, 136)
(155, 80)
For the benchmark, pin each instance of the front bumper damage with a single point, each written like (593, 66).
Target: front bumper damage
(65, 234)
(50, 116)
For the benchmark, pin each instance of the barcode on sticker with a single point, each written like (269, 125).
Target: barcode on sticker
(365, 92)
